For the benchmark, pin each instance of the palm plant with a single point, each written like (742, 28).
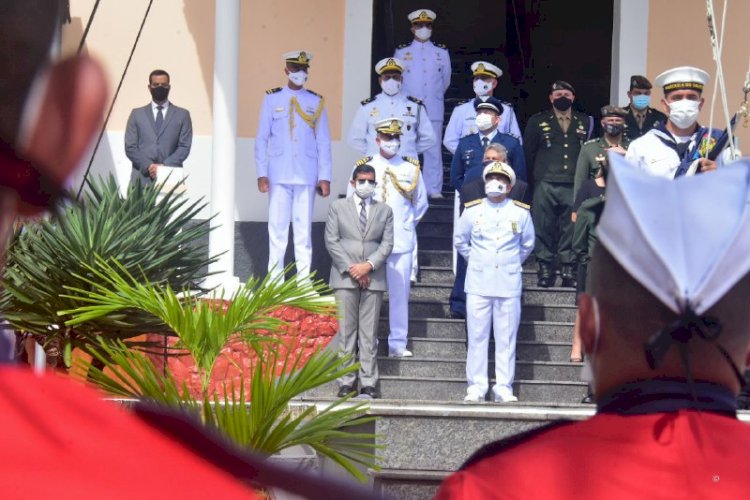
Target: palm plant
(148, 232)
(265, 424)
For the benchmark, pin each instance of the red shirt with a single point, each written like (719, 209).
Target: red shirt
(667, 455)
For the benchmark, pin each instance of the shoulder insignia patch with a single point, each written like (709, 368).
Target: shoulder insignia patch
(273, 91)
(521, 204)
(440, 45)
(472, 203)
(362, 161)
(411, 160)
(367, 101)
(314, 93)
(404, 45)
(414, 99)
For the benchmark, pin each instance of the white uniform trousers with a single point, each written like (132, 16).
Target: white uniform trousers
(397, 275)
(290, 203)
(504, 315)
(415, 262)
(433, 163)
(456, 215)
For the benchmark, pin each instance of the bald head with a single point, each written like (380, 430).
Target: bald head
(629, 317)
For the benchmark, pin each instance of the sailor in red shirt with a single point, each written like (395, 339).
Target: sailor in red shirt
(666, 330)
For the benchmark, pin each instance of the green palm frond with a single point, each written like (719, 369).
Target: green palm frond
(155, 235)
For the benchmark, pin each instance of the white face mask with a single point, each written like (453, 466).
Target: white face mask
(684, 113)
(482, 88)
(364, 189)
(587, 372)
(483, 121)
(391, 147)
(391, 87)
(423, 33)
(298, 78)
(495, 188)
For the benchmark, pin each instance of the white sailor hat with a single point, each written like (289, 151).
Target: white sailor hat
(691, 255)
(422, 16)
(302, 57)
(498, 167)
(389, 64)
(684, 77)
(390, 126)
(483, 68)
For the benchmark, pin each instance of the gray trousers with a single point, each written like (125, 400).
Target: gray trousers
(359, 313)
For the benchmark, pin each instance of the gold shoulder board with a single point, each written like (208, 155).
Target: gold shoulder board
(273, 90)
(362, 161)
(469, 204)
(522, 204)
(411, 160)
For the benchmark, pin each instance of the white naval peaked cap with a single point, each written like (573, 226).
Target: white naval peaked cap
(486, 68)
(682, 77)
(298, 57)
(389, 64)
(422, 16)
(686, 240)
(499, 167)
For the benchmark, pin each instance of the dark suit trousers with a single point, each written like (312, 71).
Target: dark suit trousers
(359, 314)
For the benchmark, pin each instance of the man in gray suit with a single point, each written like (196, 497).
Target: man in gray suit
(359, 237)
(159, 133)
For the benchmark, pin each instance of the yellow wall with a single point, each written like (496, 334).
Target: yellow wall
(179, 37)
(678, 36)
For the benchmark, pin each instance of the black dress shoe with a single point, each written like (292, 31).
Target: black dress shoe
(345, 390)
(544, 275)
(370, 391)
(568, 277)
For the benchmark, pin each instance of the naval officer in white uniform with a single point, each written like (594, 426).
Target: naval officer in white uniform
(670, 149)
(462, 120)
(293, 158)
(495, 235)
(400, 185)
(427, 75)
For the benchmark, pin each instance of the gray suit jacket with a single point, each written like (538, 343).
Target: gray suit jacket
(169, 147)
(348, 245)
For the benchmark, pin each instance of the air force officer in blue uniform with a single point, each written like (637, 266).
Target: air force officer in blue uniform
(293, 157)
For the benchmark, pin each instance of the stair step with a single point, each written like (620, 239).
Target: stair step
(435, 243)
(430, 308)
(435, 229)
(437, 328)
(416, 389)
(438, 213)
(456, 349)
(407, 484)
(456, 368)
(531, 295)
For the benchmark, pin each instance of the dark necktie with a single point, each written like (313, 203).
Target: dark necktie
(159, 118)
(485, 142)
(362, 217)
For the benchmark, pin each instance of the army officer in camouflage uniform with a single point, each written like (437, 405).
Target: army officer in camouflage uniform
(551, 142)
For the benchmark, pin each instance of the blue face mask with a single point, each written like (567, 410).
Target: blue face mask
(641, 101)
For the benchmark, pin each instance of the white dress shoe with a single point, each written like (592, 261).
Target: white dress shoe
(403, 353)
(506, 399)
(473, 398)
(437, 196)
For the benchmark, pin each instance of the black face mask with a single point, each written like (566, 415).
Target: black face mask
(562, 103)
(159, 94)
(614, 129)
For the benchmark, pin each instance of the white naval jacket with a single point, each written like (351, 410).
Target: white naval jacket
(417, 136)
(291, 151)
(495, 239)
(407, 210)
(463, 122)
(427, 74)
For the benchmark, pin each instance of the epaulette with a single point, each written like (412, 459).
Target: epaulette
(522, 204)
(411, 160)
(414, 99)
(367, 101)
(591, 140)
(404, 45)
(472, 203)
(273, 91)
(314, 93)
(362, 161)
(440, 45)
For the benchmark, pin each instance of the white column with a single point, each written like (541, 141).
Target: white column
(629, 46)
(226, 75)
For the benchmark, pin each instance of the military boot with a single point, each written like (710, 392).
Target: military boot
(544, 275)
(568, 276)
